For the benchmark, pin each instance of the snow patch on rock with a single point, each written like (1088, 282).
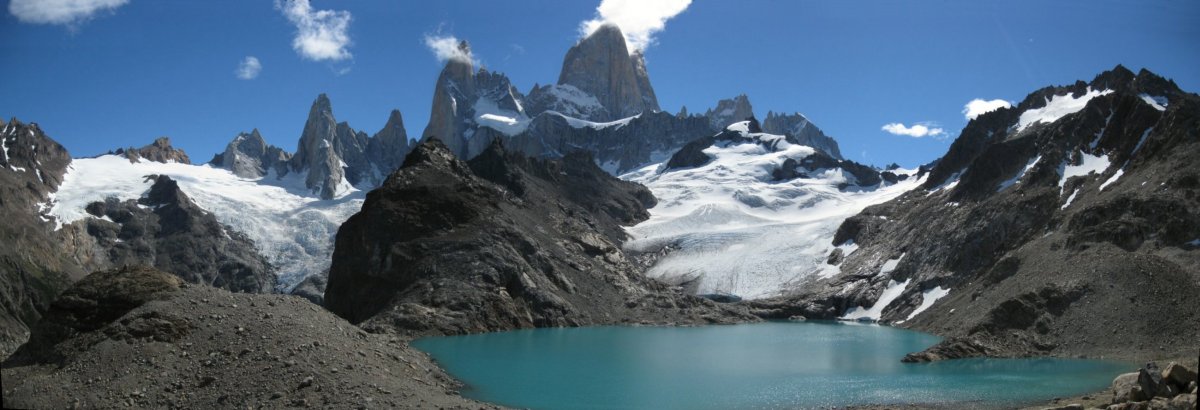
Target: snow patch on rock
(1057, 107)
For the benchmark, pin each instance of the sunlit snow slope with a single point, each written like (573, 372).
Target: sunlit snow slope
(735, 230)
(292, 227)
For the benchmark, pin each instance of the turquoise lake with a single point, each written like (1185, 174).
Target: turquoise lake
(764, 365)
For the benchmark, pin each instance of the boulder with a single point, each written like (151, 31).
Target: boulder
(1151, 381)
(835, 257)
(1184, 401)
(1180, 375)
(1127, 389)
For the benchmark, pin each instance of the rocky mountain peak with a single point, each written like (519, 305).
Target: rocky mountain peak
(158, 151)
(249, 156)
(316, 153)
(799, 130)
(433, 153)
(729, 111)
(388, 147)
(601, 65)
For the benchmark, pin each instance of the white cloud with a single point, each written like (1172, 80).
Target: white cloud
(249, 68)
(978, 107)
(320, 34)
(447, 48)
(638, 19)
(59, 11)
(917, 130)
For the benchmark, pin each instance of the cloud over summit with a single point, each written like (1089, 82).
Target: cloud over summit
(639, 20)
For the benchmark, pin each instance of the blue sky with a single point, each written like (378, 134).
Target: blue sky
(142, 69)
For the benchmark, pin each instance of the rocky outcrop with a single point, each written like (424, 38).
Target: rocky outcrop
(502, 242)
(729, 111)
(32, 269)
(249, 156)
(181, 346)
(158, 151)
(1066, 237)
(601, 65)
(165, 229)
(1152, 388)
(800, 130)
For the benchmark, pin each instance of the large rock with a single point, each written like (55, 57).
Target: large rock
(1180, 375)
(1151, 381)
(1126, 388)
(504, 242)
(602, 66)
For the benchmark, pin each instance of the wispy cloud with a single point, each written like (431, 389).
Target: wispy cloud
(320, 34)
(978, 107)
(918, 130)
(639, 20)
(66, 12)
(447, 47)
(249, 68)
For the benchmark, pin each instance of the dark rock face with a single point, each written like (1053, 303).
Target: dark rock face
(692, 154)
(165, 229)
(1036, 263)
(158, 151)
(249, 156)
(504, 242)
(138, 337)
(619, 147)
(800, 130)
(32, 270)
(601, 65)
(313, 288)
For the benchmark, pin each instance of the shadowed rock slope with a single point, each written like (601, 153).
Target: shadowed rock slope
(138, 337)
(502, 242)
(32, 270)
(1071, 236)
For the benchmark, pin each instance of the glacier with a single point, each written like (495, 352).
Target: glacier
(732, 229)
(290, 226)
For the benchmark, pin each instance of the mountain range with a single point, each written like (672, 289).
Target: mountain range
(1065, 225)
